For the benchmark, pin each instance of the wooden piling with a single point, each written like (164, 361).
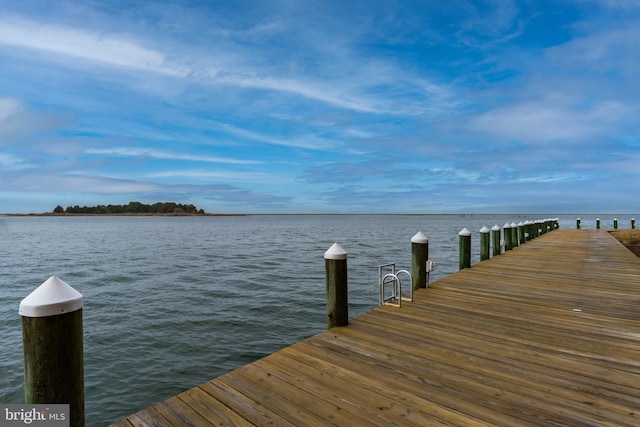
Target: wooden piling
(495, 238)
(514, 235)
(521, 232)
(465, 248)
(527, 231)
(615, 223)
(598, 223)
(578, 223)
(336, 283)
(508, 243)
(484, 243)
(53, 348)
(633, 223)
(419, 257)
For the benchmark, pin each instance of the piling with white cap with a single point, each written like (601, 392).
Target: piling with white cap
(528, 234)
(598, 223)
(484, 243)
(53, 349)
(495, 238)
(615, 223)
(514, 235)
(464, 238)
(633, 223)
(419, 258)
(508, 242)
(521, 232)
(335, 262)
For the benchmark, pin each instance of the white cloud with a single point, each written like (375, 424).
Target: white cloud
(9, 161)
(17, 120)
(9, 107)
(602, 49)
(306, 141)
(498, 23)
(547, 122)
(166, 155)
(85, 44)
(314, 91)
(254, 177)
(616, 4)
(245, 66)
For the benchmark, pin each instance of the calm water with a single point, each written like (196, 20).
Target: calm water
(171, 302)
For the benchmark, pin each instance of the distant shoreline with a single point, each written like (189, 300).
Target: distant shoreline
(118, 214)
(47, 214)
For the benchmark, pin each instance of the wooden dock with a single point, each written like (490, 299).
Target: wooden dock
(546, 334)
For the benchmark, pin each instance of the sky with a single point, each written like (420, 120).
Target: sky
(294, 106)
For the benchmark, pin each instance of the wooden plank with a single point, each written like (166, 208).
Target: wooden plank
(176, 412)
(149, 417)
(365, 404)
(404, 353)
(497, 344)
(262, 388)
(211, 409)
(385, 406)
(254, 412)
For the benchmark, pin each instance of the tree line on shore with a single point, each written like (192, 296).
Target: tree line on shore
(160, 208)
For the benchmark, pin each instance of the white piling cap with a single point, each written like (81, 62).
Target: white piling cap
(420, 237)
(484, 229)
(464, 232)
(514, 225)
(51, 298)
(335, 252)
(496, 227)
(506, 225)
(520, 224)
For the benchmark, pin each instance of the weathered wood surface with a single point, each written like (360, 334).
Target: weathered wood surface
(546, 334)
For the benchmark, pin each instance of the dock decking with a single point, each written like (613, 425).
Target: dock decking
(546, 334)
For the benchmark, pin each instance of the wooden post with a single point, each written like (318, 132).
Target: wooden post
(598, 223)
(465, 248)
(514, 235)
(508, 244)
(52, 345)
(615, 223)
(484, 243)
(578, 223)
(419, 257)
(527, 231)
(336, 280)
(521, 232)
(495, 237)
(633, 223)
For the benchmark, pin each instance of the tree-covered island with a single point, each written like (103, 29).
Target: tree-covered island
(132, 208)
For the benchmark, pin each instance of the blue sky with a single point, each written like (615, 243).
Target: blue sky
(322, 106)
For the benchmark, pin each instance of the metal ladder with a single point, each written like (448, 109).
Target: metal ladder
(391, 282)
